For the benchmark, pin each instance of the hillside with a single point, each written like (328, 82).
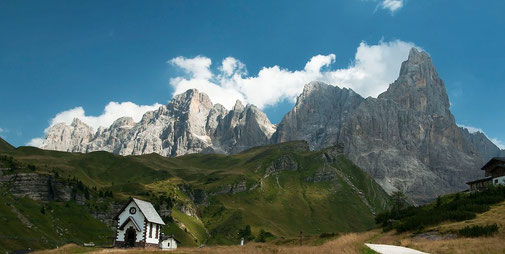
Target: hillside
(209, 198)
(4, 146)
(33, 224)
(456, 223)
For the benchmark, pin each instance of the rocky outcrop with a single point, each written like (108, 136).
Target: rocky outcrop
(190, 123)
(281, 164)
(406, 139)
(318, 115)
(324, 175)
(231, 189)
(483, 145)
(41, 187)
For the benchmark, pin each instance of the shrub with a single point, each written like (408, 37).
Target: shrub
(246, 233)
(327, 234)
(458, 207)
(263, 236)
(476, 231)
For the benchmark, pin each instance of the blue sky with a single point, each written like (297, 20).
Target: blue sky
(57, 56)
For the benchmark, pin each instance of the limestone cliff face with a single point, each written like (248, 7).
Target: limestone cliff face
(190, 123)
(406, 139)
(484, 146)
(41, 187)
(318, 115)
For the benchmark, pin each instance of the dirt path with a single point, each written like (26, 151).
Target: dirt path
(392, 249)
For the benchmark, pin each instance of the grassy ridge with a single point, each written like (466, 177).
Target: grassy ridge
(284, 203)
(451, 208)
(4, 146)
(30, 224)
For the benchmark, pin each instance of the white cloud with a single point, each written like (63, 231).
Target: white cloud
(36, 142)
(471, 129)
(500, 144)
(1, 130)
(112, 111)
(374, 67)
(391, 5)
(198, 67)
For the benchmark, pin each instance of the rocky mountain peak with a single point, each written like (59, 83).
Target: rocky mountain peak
(312, 87)
(239, 107)
(419, 87)
(191, 100)
(189, 123)
(76, 122)
(123, 122)
(318, 115)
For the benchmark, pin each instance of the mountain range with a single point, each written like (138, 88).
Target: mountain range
(406, 139)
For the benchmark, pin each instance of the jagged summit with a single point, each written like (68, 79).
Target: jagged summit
(319, 86)
(406, 139)
(189, 123)
(318, 115)
(419, 87)
(238, 106)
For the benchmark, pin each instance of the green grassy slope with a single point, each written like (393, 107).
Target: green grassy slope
(283, 204)
(449, 208)
(4, 146)
(30, 224)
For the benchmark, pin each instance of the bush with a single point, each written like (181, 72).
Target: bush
(263, 236)
(327, 234)
(458, 207)
(246, 233)
(476, 231)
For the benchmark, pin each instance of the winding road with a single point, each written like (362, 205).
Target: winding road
(392, 249)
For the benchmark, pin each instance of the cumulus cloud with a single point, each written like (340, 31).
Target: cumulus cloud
(36, 142)
(391, 5)
(373, 68)
(112, 111)
(500, 144)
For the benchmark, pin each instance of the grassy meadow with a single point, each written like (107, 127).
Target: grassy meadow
(280, 205)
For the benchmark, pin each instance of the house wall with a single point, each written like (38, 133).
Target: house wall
(491, 166)
(499, 180)
(480, 185)
(155, 239)
(497, 172)
(168, 244)
(139, 219)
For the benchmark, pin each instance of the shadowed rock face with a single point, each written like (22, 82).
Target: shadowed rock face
(190, 123)
(406, 138)
(318, 115)
(41, 187)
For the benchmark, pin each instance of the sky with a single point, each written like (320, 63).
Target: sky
(100, 60)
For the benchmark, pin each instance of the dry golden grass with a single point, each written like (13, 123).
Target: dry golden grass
(346, 244)
(495, 215)
(353, 243)
(459, 245)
